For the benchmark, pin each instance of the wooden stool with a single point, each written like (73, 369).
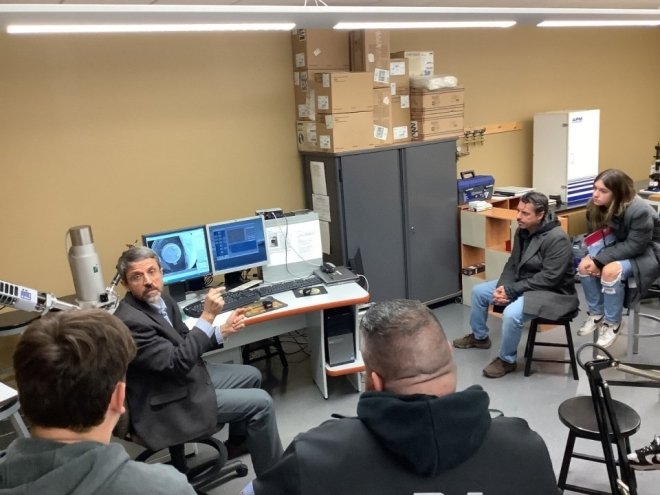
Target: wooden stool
(531, 343)
(578, 415)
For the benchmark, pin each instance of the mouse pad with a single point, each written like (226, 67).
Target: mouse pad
(313, 291)
(258, 308)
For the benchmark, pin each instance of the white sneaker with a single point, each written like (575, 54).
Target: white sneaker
(590, 325)
(608, 333)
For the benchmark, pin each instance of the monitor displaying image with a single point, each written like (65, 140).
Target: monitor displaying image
(183, 253)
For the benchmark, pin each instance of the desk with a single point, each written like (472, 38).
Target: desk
(302, 313)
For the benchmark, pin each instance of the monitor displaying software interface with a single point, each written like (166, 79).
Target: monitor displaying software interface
(237, 245)
(183, 253)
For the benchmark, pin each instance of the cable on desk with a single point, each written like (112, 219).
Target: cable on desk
(366, 282)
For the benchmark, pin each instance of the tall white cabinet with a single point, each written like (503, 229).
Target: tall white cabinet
(566, 153)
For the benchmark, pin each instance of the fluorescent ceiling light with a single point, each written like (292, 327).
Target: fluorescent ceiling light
(142, 28)
(424, 25)
(637, 23)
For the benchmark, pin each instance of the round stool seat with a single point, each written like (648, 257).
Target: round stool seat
(578, 415)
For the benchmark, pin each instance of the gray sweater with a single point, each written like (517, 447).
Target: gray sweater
(38, 466)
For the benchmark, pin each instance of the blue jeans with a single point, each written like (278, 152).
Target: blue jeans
(513, 319)
(606, 299)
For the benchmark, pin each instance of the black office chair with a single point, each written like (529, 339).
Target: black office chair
(210, 471)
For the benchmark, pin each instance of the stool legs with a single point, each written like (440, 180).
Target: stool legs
(609, 461)
(571, 350)
(531, 342)
(566, 461)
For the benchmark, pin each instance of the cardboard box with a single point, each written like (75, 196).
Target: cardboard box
(320, 49)
(303, 90)
(436, 125)
(343, 92)
(306, 136)
(370, 52)
(400, 108)
(423, 99)
(399, 78)
(419, 63)
(382, 124)
(345, 131)
(439, 112)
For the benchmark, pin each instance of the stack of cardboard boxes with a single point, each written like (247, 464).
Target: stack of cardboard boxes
(437, 114)
(369, 106)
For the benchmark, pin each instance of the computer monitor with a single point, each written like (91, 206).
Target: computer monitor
(184, 258)
(237, 245)
(294, 246)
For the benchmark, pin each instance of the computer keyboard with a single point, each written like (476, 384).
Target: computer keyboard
(299, 283)
(240, 298)
(233, 300)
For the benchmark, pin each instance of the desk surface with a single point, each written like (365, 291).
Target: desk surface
(337, 295)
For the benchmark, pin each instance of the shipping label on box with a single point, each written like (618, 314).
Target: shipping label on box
(436, 98)
(345, 131)
(420, 63)
(307, 136)
(382, 116)
(400, 119)
(370, 52)
(320, 49)
(343, 92)
(399, 78)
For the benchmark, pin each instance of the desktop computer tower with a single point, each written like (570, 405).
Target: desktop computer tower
(339, 329)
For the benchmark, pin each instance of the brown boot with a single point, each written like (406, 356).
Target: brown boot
(469, 341)
(498, 368)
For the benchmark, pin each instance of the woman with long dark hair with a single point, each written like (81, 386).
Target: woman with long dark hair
(629, 233)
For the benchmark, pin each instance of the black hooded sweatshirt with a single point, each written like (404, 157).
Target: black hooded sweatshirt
(406, 444)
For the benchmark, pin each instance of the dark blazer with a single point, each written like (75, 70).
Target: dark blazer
(170, 395)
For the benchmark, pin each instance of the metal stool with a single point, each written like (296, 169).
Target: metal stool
(531, 343)
(635, 314)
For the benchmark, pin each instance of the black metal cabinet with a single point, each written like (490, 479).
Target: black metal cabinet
(393, 217)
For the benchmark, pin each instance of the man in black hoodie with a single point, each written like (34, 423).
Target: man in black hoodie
(413, 433)
(537, 280)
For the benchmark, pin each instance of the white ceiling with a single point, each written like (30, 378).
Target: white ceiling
(525, 12)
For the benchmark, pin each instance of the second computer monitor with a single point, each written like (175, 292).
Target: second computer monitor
(237, 245)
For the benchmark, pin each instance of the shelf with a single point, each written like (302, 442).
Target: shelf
(345, 369)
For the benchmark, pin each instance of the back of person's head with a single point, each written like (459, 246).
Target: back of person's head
(67, 366)
(132, 255)
(539, 200)
(623, 192)
(404, 343)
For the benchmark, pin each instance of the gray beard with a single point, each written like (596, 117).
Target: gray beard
(153, 299)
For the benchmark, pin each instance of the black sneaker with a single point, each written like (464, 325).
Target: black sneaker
(646, 458)
(469, 341)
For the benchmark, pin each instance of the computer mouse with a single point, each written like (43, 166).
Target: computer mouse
(267, 303)
(328, 267)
